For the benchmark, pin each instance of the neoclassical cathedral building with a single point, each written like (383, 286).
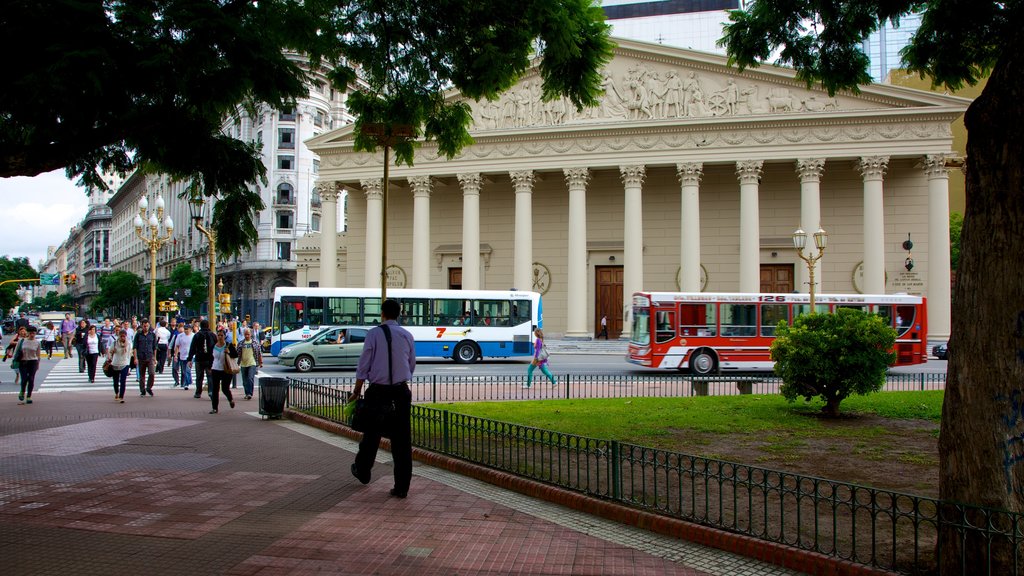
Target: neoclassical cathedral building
(688, 176)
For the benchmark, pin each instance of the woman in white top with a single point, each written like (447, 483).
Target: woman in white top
(120, 355)
(49, 338)
(219, 377)
(91, 351)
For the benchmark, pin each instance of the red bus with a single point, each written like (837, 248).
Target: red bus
(707, 333)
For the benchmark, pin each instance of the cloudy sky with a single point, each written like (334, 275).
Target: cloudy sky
(38, 212)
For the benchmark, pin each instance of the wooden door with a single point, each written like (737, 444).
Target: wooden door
(776, 278)
(609, 302)
(455, 278)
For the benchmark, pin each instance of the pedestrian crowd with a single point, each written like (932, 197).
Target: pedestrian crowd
(216, 356)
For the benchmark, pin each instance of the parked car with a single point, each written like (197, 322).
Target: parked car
(322, 350)
(941, 351)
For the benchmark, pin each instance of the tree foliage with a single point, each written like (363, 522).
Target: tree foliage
(118, 287)
(832, 356)
(956, 224)
(116, 84)
(183, 277)
(13, 269)
(53, 301)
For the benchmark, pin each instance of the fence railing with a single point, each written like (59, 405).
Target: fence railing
(869, 526)
(464, 388)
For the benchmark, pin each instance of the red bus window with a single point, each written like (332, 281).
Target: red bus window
(739, 319)
(664, 330)
(771, 315)
(697, 320)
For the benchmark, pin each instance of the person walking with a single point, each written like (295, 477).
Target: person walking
(201, 350)
(106, 333)
(67, 334)
(49, 338)
(540, 359)
(120, 354)
(144, 352)
(81, 331)
(182, 342)
(163, 337)
(604, 327)
(250, 358)
(387, 362)
(12, 351)
(220, 378)
(21, 322)
(28, 364)
(90, 350)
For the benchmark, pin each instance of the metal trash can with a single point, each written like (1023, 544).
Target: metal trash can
(273, 396)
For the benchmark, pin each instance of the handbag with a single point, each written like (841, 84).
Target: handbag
(357, 415)
(543, 354)
(230, 364)
(108, 369)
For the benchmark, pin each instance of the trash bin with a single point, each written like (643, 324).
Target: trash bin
(273, 396)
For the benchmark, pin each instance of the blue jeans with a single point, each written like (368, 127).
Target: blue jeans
(184, 373)
(249, 378)
(120, 380)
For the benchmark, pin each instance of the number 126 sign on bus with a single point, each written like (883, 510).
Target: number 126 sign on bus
(706, 333)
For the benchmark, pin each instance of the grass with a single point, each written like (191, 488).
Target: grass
(649, 421)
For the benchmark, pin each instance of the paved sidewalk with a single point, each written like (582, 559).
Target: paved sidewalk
(158, 486)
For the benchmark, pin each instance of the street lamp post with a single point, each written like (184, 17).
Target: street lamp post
(197, 209)
(153, 241)
(799, 242)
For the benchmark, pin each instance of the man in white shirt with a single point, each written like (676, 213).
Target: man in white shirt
(163, 335)
(182, 343)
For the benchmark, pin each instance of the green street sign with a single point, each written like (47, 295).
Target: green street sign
(49, 279)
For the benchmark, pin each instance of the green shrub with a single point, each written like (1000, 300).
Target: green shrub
(833, 356)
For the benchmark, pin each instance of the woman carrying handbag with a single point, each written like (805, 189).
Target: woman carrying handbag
(225, 365)
(540, 358)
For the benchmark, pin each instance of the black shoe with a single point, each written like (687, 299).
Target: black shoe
(397, 494)
(149, 391)
(355, 472)
(196, 396)
(232, 403)
(214, 411)
(143, 395)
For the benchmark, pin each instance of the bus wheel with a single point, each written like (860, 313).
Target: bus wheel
(466, 353)
(702, 363)
(304, 363)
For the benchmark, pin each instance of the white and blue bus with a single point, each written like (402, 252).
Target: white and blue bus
(464, 325)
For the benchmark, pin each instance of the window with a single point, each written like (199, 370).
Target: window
(314, 284)
(285, 162)
(664, 326)
(799, 309)
(286, 138)
(284, 220)
(284, 250)
(315, 311)
(320, 119)
(492, 312)
(521, 312)
(316, 166)
(416, 312)
(697, 320)
(771, 315)
(371, 311)
(342, 311)
(288, 115)
(448, 312)
(739, 319)
(314, 222)
(284, 194)
(904, 319)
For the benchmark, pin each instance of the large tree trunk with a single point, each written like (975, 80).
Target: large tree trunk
(981, 447)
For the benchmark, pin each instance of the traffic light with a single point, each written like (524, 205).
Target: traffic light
(74, 278)
(64, 279)
(247, 318)
(225, 303)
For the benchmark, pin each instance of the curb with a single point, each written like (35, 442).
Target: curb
(804, 561)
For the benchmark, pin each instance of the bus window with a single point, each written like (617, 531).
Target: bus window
(447, 311)
(275, 320)
(416, 312)
(641, 326)
(293, 313)
(885, 312)
(371, 311)
(315, 311)
(342, 311)
(861, 307)
(491, 312)
(904, 320)
(521, 312)
(697, 320)
(771, 315)
(664, 322)
(739, 319)
(800, 309)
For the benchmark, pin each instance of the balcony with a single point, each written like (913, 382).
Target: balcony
(284, 201)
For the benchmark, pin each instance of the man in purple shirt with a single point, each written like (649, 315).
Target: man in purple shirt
(388, 395)
(67, 334)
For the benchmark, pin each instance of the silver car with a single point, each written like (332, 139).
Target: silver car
(325, 349)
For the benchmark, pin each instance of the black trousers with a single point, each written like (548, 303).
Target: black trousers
(161, 357)
(399, 429)
(220, 381)
(203, 371)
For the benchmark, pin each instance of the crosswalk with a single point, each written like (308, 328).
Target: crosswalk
(65, 377)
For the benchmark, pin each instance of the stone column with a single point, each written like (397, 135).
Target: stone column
(420, 231)
(872, 169)
(470, 230)
(373, 188)
(329, 193)
(689, 231)
(810, 171)
(633, 241)
(522, 262)
(939, 300)
(749, 173)
(576, 304)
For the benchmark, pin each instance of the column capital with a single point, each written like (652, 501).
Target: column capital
(576, 177)
(749, 171)
(373, 188)
(872, 167)
(633, 175)
(934, 166)
(420, 186)
(810, 169)
(328, 190)
(522, 180)
(690, 172)
(470, 182)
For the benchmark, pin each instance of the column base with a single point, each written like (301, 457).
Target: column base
(577, 336)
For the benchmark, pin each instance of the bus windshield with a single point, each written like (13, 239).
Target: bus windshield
(641, 326)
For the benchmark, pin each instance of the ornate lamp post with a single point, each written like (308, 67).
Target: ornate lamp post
(197, 209)
(820, 241)
(153, 240)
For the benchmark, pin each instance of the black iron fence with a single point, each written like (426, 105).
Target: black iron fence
(868, 526)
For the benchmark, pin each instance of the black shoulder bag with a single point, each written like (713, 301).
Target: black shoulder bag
(363, 416)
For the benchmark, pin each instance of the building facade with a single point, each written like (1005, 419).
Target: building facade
(688, 176)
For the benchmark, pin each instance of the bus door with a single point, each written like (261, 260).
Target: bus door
(908, 334)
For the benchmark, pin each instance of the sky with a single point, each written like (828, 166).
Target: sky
(38, 212)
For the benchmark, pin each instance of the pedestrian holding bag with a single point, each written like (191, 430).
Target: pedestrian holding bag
(108, 369)
(359, 414)
(543, 354)
(230, 364)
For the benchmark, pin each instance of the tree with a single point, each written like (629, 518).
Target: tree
(13, 269)
(54, 301)
(957, 43)
(833, 356)
(119, 84)
(117, 288)
(183, 277)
